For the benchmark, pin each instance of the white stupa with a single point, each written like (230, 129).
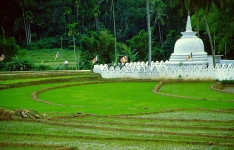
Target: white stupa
(189, 49)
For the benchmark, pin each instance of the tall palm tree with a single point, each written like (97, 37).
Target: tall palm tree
(96, 12)
(220, 5)
(205, 5)
(157, 9)
(77, 10)
(74, 32)
(113, 13)
(149, 31)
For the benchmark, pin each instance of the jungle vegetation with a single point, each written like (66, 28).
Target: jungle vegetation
(112, 28)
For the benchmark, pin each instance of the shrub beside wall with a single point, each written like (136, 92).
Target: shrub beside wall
(22, 64)
(19, 64)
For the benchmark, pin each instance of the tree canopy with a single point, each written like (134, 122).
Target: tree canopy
(105, 27)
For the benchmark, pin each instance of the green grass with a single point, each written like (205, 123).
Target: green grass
(21, 98)
(195, 89)
(108, 98)
(125, 98)
(117, 114)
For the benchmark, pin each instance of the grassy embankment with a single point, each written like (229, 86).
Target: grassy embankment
(47, 57)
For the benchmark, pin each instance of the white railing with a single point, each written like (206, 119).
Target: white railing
(159, 70)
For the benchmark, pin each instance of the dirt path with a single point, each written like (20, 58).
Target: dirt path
(229, 89)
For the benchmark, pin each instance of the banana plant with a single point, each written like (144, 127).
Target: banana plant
(132, 54)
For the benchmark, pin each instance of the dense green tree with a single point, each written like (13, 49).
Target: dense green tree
(28, 7)
(168, 45)
(8, 47)
(158, 13)
(101, 43)
(157, 53)
(197, 5)
(41, 24)
(10, 13)
(140, 43)
(96, 13)
(221, 28)
(205, 6)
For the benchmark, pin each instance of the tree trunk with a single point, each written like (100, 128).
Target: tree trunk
(149, 31)
(69, 18)
(113, 11)
(74, 44)
(197, 21)
(77, 13)
(210, 40)
(61, 45)
(97, 23)
(29, 33)
(78, 59)
(160, 34)
(65, 25)
(27, 29)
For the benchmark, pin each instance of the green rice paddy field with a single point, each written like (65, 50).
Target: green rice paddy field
(83, 111)
(47, 57)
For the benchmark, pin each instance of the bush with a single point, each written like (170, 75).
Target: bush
(8, 47)
(227, 81)
(101, 43)
(19, 64)
(168, 45)
(41, 67)
(59, 67)
(52, 42)
(2, 66)
(138, 42)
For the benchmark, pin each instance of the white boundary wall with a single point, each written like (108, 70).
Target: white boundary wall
(159, 70)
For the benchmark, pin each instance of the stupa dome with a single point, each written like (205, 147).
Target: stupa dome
(185, 45)
(189, 49)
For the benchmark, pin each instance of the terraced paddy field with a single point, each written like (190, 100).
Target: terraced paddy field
(80, 110)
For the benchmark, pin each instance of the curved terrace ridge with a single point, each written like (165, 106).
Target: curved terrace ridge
(35, 94)
(157, 88)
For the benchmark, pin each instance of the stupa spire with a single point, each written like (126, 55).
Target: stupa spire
(188, 25)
